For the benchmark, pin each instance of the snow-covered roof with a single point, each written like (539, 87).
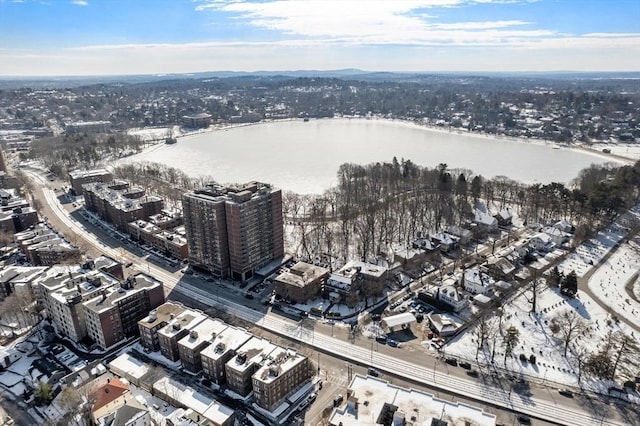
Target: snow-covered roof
(189, 397)
(125, 365)
(400, 319)
(207, 330)
(375, 395)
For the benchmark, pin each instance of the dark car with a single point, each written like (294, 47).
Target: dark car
(451, 361)
(566, 393)
(393, 343)
(373, 372)
(381, 339)
(376, 317)
(524, 420)
(465, 365)
(248, 295)
(472, 373)
(337, 400)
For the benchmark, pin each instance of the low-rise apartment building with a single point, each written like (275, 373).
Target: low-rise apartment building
(148, 326)
(220, 351)
(114, 315)
(120, 204)
(64, 294)
(177, 327)
(303, 281)
(199, 337)
(280, 376)
(77, 178)
(248, 359)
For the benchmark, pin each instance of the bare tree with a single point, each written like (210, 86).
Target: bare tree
(568, 324)
(509, 342)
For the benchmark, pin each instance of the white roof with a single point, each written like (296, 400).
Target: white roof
(125, 364)
(400, 319)
(207, 330)
(189, 397)
(372, 393)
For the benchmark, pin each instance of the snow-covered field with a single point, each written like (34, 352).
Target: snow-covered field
(537, 339)
(609, 281)
(592, 251)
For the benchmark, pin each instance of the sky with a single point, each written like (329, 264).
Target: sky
(119, 37)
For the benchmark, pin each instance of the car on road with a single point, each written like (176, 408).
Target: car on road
(210, 279)
(472, 373)
(465, 365)
(312, 397)
(566, 393)
(393, 343)
(338, 400)
(373, 372)
(524, 420)
(451, 361)
(381, 339)
(248, 295)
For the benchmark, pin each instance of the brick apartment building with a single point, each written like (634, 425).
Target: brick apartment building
(233, 231)
(220, 351)
(248, 359)
(199, 337)
(157, 318)
(177, 327)
(64, 293)
(120, 203)
(114, 314)
(77, 178)
(301, 282)
(280, 375)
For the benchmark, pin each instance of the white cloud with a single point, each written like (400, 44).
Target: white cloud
(80, 2)
(371, 22)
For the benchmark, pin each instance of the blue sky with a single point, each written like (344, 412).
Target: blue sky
(100, 37)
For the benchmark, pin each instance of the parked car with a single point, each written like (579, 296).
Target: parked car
(524, 420)
(376, 317)
(465, 365)
(566, 393)
(472, 373)
(451, 361)
(338, 400)
(393, 343)
(373, 372)
(381, 339)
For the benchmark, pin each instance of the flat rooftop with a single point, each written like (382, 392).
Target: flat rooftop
(205, 331)
(230, 339)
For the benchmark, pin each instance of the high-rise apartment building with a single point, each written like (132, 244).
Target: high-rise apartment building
(234, 231)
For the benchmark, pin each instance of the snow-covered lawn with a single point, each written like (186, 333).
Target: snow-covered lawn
(537, 339)
(609, 281)
(592, 251)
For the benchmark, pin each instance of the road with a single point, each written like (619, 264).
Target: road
(536, 403)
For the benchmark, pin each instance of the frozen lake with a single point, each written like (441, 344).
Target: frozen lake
(304, 156)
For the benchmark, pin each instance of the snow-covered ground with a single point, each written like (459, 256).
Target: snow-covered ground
(624, 150)
(592, 251)
(537, 339)
(609, 281)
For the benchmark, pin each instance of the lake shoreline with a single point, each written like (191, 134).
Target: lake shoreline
(281, 153)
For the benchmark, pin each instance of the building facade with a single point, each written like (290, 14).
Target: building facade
(234, 231)
(77, 178)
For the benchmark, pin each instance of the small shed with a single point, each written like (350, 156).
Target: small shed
(398, 320)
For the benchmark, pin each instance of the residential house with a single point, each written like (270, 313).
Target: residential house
(475, 281)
